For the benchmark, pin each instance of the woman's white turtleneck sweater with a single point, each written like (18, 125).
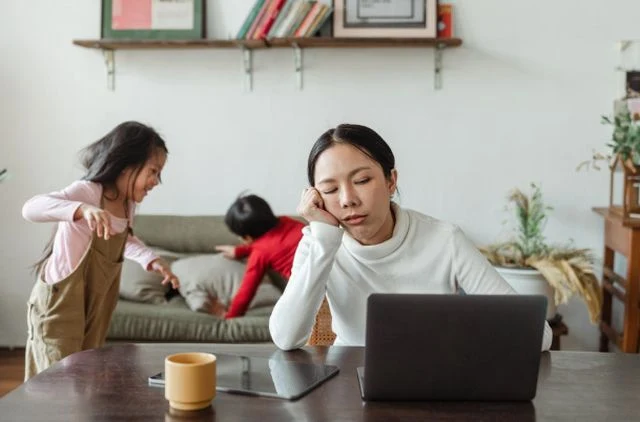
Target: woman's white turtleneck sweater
(424, 255)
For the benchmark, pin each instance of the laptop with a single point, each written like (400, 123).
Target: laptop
(452, 347)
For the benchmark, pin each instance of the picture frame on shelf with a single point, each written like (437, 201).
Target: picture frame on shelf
(153, 19)
(385, 18)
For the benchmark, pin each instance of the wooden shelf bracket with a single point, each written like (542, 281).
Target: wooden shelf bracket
(110, 63)
(297, 62)
(247, 61)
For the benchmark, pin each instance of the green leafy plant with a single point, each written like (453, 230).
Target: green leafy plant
(625, 140)
(624, 144)
(567, 269)
(3, 174)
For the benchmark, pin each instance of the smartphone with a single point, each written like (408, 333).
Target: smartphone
(157, 380)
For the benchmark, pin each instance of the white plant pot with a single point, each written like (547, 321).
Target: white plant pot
(530, 282)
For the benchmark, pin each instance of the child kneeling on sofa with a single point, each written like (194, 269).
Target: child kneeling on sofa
(269, 242)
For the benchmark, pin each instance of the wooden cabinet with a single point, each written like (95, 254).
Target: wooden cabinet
(621, 235)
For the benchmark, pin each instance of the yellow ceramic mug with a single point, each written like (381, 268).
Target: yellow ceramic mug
(190, 380)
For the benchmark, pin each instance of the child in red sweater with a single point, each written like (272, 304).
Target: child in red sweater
(269, 242)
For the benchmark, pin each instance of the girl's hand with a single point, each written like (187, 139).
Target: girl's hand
(311, 207)
(98, 219)
(162, 267)
(228, 251)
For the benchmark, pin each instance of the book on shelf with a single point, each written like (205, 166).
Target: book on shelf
(307, 20)
(321, 23)
(281, 16)
(268, 19)
(286, 18)
(287, 21)
(445, 20)
(297, 21)
(257, 20)
(253, 13)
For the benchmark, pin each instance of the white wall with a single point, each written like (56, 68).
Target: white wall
(521, 102)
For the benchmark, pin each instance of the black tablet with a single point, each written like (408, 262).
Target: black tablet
(264, 376)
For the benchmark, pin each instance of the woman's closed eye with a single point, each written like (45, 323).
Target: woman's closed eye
(362, 181)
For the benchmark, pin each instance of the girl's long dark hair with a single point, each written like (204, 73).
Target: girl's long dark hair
(128, 145)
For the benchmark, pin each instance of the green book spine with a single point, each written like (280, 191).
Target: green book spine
(249, 20)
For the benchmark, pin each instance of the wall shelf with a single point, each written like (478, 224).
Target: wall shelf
(108, 47)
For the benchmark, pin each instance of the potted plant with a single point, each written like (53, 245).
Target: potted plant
(531, 266)
(623, 158)
(3, 174)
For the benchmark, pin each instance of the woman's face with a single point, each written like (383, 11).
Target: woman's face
(355, 191)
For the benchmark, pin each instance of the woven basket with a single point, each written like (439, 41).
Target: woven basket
(322, 335)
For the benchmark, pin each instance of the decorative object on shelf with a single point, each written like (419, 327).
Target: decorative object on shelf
(385, 18)
(445, 20)
(624, 158)
(632, 79)
(531, 266)
(153, 19)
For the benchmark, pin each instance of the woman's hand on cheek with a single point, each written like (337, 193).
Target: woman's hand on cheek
(311, 207)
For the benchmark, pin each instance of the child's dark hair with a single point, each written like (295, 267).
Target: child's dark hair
(130, 144)
(250, 215)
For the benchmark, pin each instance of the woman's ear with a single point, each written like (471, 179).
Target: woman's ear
(393, 181)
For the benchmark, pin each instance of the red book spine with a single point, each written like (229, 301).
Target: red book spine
(258, 20)
(269, 19)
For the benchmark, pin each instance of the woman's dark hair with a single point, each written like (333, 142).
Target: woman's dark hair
(361, 137)
(130, 144)
(250, 215)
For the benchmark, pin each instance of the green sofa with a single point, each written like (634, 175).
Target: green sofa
(173, 321)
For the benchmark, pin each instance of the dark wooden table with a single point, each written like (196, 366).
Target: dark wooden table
(110, 384)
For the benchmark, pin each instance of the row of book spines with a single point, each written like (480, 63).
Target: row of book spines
(284, 18)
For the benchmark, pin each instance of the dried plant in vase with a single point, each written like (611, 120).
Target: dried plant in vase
(532, 266)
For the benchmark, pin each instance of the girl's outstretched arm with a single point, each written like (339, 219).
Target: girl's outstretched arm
(61, 205)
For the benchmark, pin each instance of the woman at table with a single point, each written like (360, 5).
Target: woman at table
(360, 242)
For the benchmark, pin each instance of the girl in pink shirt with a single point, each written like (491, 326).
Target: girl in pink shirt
(78, 278)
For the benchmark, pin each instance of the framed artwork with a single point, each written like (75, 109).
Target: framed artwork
(153, 19)
(385, 18)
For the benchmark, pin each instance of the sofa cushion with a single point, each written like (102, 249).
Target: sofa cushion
(209, 276)
(186, 233)
(139, 285)
(174, 321)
